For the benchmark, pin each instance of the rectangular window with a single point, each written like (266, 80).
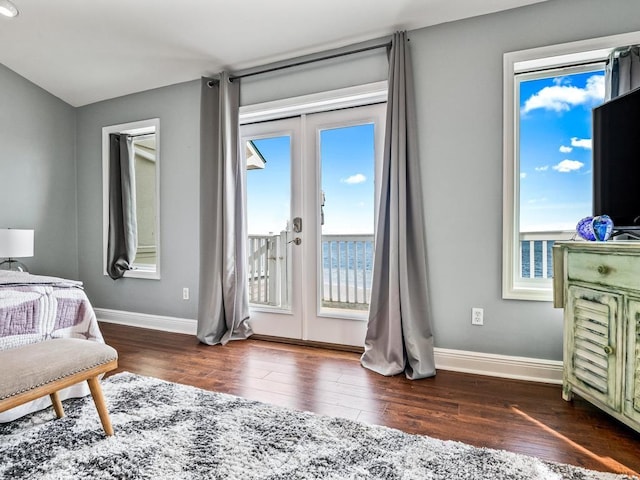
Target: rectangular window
(554, 159)
(549, 94)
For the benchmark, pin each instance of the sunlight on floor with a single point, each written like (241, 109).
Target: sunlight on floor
(607, 462)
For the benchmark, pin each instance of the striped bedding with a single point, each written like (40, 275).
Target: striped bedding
(35, 308)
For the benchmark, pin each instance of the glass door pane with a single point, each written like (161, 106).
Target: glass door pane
(268, 163)
(347, 169)
(310, 265)
(343, 162)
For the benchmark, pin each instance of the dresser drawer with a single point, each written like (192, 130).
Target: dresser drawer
(621, 271)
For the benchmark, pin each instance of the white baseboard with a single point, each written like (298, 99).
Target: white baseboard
(144, 320)
(504, 366)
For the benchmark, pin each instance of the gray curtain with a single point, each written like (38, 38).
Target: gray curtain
(399, 335)
(123, 228)
(223, 310)
(622, 72)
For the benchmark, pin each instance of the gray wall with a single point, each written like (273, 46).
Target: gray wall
(38, 173)
(458, 77)
(459, 106)
(458, 74)
(178, 108)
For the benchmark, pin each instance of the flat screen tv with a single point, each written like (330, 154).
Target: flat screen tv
(616, 161)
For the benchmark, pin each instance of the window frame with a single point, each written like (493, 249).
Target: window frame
(140, 127)
(548, 58)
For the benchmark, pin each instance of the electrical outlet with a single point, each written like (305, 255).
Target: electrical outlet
(477, 316)
(185, 293)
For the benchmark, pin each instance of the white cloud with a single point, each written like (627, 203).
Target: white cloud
(544, 168)
(585, 143)
(523, 174)
(561, 97)
(565, 149)
(566, 166)
(354, 179)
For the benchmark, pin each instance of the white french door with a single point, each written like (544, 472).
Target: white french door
(311, 205)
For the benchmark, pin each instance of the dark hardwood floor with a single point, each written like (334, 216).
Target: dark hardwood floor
(522, 417)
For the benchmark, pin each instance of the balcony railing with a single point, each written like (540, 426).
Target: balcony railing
(536, 259)
(347, 267)
(347, 263)
(269, 269)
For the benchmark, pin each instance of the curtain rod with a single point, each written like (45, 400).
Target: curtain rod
(314, 57)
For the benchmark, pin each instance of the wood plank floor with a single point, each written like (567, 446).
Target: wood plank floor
(522, 417)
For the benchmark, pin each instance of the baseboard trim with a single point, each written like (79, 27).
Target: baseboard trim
(478, 363)
(143, 320)
(504, 366)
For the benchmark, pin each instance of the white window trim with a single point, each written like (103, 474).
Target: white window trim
(357, 96)
(132, 128)
(548, 57)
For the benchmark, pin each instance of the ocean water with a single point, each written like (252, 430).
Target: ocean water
(538, 255)
(351, 263)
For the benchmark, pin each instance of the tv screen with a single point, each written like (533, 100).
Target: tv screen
(616, 160)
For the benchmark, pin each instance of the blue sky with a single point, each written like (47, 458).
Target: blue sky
(556, 150)
(347, 173)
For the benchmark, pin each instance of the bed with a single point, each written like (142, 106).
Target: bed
(34, 308)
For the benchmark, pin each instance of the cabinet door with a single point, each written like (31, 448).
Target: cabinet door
(632, 380)
(591, 361)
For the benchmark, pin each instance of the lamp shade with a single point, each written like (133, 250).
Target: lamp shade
(16, 243)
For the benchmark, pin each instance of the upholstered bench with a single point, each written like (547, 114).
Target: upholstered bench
(38, 369)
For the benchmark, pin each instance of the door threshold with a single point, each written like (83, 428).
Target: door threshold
(308, 343)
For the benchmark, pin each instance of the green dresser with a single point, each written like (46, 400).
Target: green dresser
(598, 285)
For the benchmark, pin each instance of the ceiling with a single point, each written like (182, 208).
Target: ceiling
(84, 51)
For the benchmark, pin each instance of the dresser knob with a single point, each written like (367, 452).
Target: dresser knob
(608, 349)
(603, 269)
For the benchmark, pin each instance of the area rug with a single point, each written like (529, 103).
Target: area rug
(170, 431)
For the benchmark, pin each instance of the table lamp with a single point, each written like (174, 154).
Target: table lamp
(15, 243)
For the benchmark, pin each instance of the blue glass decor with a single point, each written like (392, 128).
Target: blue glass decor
(602, 227)
(595, 229)
(585, 229)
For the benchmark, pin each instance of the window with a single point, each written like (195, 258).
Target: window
(547, 176)
(145, 144)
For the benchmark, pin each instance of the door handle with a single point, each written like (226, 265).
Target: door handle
(296, 241)
(297, 224)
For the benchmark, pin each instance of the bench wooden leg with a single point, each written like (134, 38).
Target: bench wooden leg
(57, 404)
(101, 406)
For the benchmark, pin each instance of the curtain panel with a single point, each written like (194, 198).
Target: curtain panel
(223, 309)
(399, 334)
(123, 229)
(622, 73)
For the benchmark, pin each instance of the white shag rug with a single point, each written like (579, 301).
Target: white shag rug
(169, 431)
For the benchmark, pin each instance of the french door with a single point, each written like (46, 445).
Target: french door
(312, 185)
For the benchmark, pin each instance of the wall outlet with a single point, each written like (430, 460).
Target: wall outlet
(185, 293)
(477, 316)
